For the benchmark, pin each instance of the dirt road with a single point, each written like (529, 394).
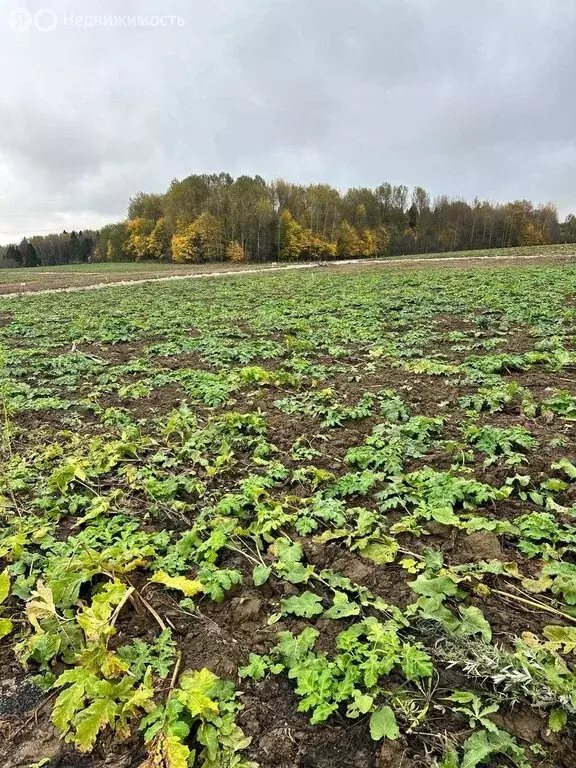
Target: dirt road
(13, 290)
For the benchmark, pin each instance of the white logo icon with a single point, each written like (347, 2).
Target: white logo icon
(44, 20)
(21, 20)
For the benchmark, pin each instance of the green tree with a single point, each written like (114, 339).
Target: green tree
(146, 206)
(13, 254)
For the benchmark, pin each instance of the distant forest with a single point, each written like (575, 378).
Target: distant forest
(215, 217)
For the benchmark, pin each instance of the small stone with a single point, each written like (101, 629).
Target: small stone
(357, 571)
(393, 755)
(439, 529)
(482, 545)
(247, 610)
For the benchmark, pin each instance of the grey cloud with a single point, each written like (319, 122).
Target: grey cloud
(465, 99)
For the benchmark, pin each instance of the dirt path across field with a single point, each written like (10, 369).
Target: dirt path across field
(472, 261)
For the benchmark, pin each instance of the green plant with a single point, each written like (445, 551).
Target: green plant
(202, 709)
(367, 651)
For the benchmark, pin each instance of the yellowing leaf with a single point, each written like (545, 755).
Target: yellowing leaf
(381, 553)
(177, 753)
(196, 688)
(41, 606)
(96, 619)
(4, 585)
(112, 666)
(68, 703)
(188, 587)
(537, 586)
(91, 721)
(167, 751)
(560, 638)
(6, 627)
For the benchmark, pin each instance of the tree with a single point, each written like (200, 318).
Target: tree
(146, 206)
(531, 234)
(420, 199)
(317, 247)
(147, 239)
(13, 254)
(86, 246)
(412, 216)
(184, 244)
(138, 243)
(208, 217)
(382, 241)
(290, 238)
(30, 257)
(235, 252)
(110, 243)
(348, 242)
(52, 250)
(74, 247)
(159, 240)
(568, 229)
(373, 242)
(187, 199)
(199, 241)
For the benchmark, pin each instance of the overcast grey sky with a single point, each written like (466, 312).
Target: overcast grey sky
(464, 98)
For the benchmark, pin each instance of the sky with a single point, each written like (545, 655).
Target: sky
(469, 99)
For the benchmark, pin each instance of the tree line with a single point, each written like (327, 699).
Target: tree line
(213, 217)
(51, 250)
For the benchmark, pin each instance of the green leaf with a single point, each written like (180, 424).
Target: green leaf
(474, 623)
(197, 691)
(287, 552)
(341, 607)
(557, 720)
(444, 515)
(461, 697)
(383, 725)
(297, 573)
(95, 619)
(256, 667)
(483, 744)
(177, 754)
(450, 758)
(306, 605)
(439, 585)
(361, 704)
(415, 662)
(476, 749)
(567, 467)
(293, 649)
(261, 574)
(432, 608)
(208, 736)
